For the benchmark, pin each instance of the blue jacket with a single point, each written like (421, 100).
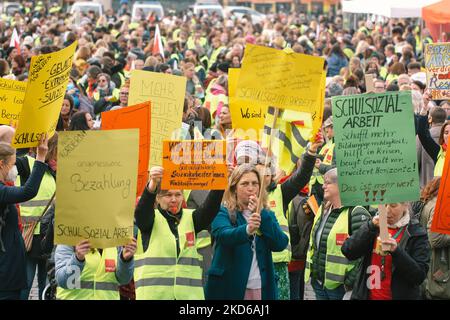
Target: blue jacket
(230, 267)
(335, 64)
(13, 275)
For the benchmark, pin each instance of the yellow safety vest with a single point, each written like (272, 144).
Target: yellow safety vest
(98, 279)
(203, 239)
(114, 94)
(32, 210)
(158, 273)
(215, 54)
(191, 44)
(439, 167)
(336, 265)
(276, 205)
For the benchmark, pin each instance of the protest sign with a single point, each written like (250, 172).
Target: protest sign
(281, 79)
(166, 93)
(11, 100)
(47, 83)
(437, 64)
(96, 184)
(247, 118)
(137, 116)
(194, 165)
(375, 148)
(441, 218)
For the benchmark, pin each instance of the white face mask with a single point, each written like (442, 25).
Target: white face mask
(12, 174)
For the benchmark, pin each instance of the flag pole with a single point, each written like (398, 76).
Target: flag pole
(266, 162)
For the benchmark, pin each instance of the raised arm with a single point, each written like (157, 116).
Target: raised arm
(205, 214)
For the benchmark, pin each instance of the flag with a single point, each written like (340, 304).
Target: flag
(15, 41)
(293, 130)
(157, 44)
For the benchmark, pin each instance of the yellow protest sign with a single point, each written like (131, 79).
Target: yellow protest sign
(11, 100)
(280, 79)
(96, 182)
(194, 165)
(47, 83)
(247, 118)
(166, 93)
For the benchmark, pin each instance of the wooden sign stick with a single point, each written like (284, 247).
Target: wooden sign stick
(266, 162)
(384, 233)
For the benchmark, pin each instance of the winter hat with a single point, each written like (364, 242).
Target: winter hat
(334, 89)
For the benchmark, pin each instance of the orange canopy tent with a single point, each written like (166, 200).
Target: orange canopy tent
(437, 18)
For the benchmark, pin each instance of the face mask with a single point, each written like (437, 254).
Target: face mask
(12, 174)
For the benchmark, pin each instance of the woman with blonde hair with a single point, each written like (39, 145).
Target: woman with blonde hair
(242, 266)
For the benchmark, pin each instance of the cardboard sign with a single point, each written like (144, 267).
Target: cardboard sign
(441, 218)
(47, 84)
(247, 118)
(96, 185)
(375, 148)
(437, 64)
(166, 93)
(370, 87)
(281, 79)
(137, 116)
(194, 165)
(12, 94)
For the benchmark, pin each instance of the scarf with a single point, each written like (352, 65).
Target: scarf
(401, 223)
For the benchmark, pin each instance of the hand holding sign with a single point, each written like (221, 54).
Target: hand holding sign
(318, 142)
(129, 250)
(82, 249)
(254, 222)
(156, 174)
(42, 148)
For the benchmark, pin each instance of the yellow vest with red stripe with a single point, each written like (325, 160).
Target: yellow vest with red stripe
(158, 273)
(203, 238)
(276, 205)
(32, 209)
(336, 265)
(439, 167)
(98, 279)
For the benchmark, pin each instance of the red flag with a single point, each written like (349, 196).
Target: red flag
(157, 44)
(15, 40)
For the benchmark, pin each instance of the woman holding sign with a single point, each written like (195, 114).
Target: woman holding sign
(167, 261)
(13, 276)
(398, 272)
(436, 151)
(242, 266)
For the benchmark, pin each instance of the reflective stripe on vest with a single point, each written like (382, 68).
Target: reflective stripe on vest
(95, 282)
(32, 209)
(158, 273)
(203, 239)
(336, 264)
(276, 205)
(439, 167)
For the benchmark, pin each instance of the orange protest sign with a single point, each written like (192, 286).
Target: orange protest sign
(441, 218)
(137, 116)
(194, 165)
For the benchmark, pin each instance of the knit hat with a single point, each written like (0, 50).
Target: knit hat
(250, 149)
(328, 122)
(334, 89)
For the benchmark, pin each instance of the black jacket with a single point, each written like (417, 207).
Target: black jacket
(409, 261)
(202, 217)
(12, 260)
